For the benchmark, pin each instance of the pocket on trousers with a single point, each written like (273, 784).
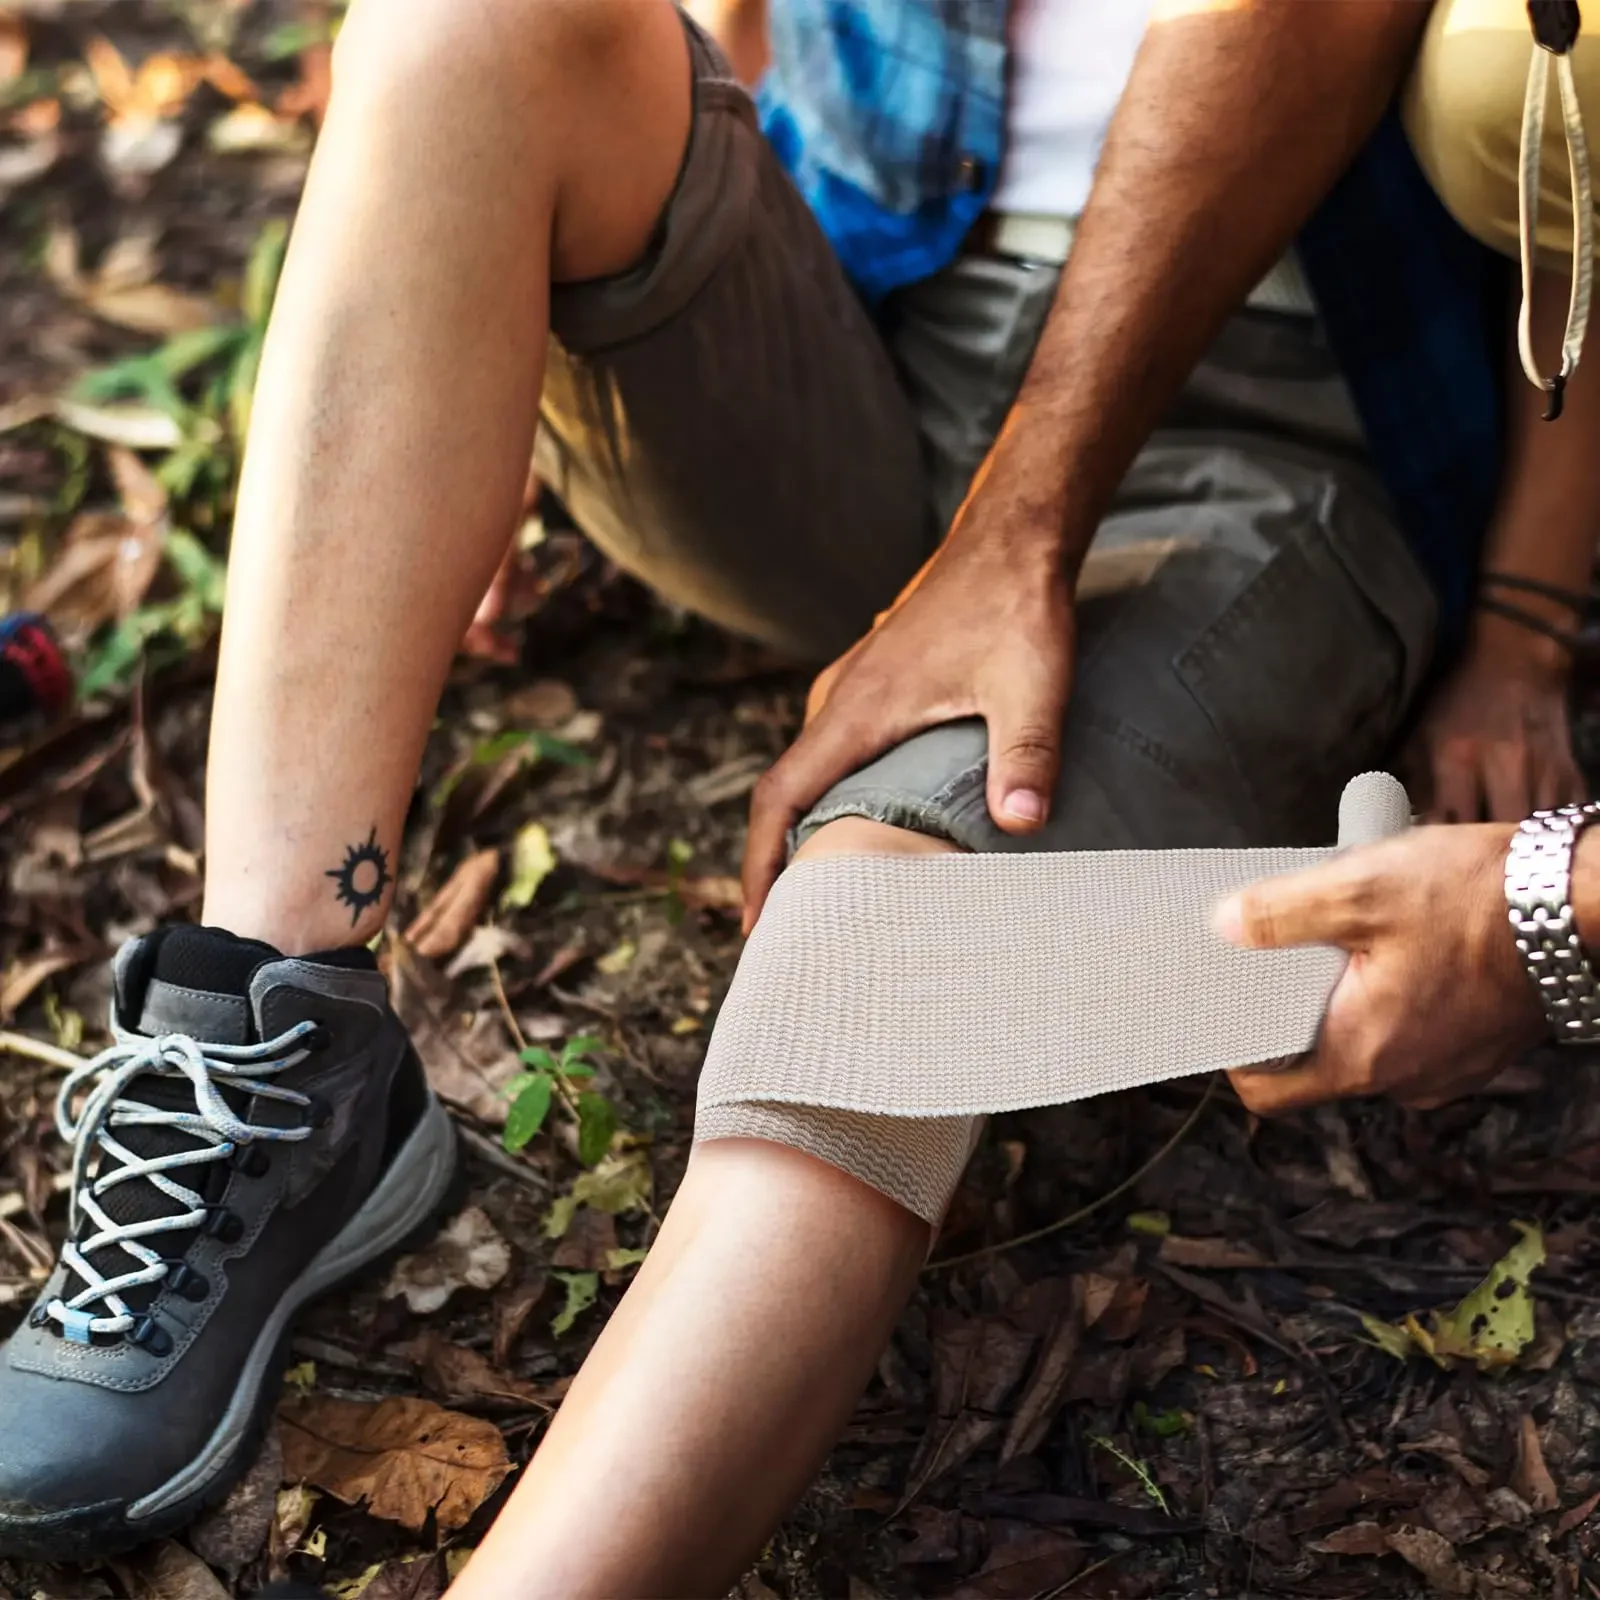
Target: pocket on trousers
(1306, 675)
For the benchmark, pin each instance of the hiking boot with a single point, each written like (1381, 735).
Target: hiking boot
(260, 1131)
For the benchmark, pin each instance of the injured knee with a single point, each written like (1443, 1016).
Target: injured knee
(861, 836)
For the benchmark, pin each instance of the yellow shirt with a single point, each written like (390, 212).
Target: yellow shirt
(1463, 112)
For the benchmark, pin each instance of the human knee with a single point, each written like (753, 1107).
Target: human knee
(861, 836)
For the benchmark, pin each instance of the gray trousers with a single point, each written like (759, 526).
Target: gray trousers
(728, 424)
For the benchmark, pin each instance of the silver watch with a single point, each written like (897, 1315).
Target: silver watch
(1539, 897)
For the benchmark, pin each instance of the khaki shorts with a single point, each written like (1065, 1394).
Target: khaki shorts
(730, 424)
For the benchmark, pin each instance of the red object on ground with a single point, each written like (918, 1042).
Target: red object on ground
(35, 680)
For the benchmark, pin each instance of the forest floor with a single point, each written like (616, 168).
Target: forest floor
(1161, 1350)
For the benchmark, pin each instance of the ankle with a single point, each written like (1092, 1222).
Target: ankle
(294, 929)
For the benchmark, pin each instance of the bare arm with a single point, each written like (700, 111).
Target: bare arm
(1238, 117)
(1236, 122)
(1494, 742)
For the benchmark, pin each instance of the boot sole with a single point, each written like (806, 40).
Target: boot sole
(405, 1206)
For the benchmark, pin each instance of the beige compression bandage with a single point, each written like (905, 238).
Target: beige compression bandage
(884, 1005)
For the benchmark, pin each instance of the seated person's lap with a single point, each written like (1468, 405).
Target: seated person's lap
(729, 424)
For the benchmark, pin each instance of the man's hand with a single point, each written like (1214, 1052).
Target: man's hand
(985, 629)
(1494, 742)
(1435, 1001)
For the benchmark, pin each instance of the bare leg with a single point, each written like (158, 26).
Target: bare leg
(473, 148)
(728, 1370)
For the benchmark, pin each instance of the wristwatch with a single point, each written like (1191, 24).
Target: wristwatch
(1539, 899)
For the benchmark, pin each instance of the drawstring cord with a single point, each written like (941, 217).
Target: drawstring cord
(1556, 24)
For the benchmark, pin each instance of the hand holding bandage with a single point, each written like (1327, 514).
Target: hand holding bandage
(1434, 1002)
(885, 1004)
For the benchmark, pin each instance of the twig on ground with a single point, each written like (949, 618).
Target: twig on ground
(482, 1145)
(19, 1044)
(1094, 1205)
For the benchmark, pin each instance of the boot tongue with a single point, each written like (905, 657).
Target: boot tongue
(200, 985)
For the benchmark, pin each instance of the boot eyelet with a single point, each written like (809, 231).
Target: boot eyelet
(149, 1335)
(223, 1225)
(251, 1161)
(318, 1112)
(39, 1317)
(182, 1279)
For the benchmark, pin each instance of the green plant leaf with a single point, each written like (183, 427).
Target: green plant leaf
(202, 574)
(527, 1113)
(262, 272)
(620, 1260)
(586, 1044)
(1494, 1324)
(576, 1069)
(619, 1184)
(597, 1125)
(242, 387)
(184, 353)
(582, 1287)
(540, 1059)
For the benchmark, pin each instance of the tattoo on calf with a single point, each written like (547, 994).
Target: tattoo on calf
(362, 877)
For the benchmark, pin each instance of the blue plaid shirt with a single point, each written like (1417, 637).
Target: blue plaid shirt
(890, 117)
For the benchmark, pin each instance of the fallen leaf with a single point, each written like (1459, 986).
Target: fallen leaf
(167, 1571)
(468, 1253)
(1217, 1255)
(487, 945)
(290, 1519)
(1023, 1561)
(154, 308)
(1354, 1539)
(422, 1577)
(1577, 1516)
(532, 861)
(258, 130)
(618, 959)
(139, 427)
(13, 46)
(1495, 1322)
(582, 1288)
(1532, 1480)
(1431, 1554)
(232, 1535)
(450, 916)
(460, 1375)
(546, 704)
(588, 1243)
(511, 1314)
(401, 1458)
(1047, 1385)
(618, 1184)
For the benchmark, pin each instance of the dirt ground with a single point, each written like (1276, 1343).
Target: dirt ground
(1160, 1350)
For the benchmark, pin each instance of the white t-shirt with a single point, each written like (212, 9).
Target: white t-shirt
(1070, 61)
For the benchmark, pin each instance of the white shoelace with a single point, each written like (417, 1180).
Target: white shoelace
(108, 1107)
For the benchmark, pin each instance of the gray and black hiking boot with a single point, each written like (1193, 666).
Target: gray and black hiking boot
(260, 1131)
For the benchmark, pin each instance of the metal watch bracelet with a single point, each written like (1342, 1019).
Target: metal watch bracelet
(1539, 902)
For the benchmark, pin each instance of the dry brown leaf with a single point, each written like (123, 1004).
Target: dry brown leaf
(1355, 1539)
(153, 308)
(488, 944)
(459, 1375)
(13, 46)
(167, 1571)
(511, 1314)
(451, 915)
(1532, 1480)
(587, 1244)
(409, 1578)
(79, 589)
(468, 1254)
(546, 703)
(1577, 1516)
(24, 978)
(1047, 1386)
(1217, 1255)
(251, 129)
(1431, 1554)
(233, 1534)
(290, 1519)
(401, 1458)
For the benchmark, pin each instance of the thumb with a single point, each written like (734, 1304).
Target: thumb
(1312, 907)
(1025, 747)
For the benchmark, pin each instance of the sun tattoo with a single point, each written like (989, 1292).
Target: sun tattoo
(363, 877)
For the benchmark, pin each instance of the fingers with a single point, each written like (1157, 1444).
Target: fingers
(834, 744)
(1024, 721)
(1332, 904)
(1508, 781)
